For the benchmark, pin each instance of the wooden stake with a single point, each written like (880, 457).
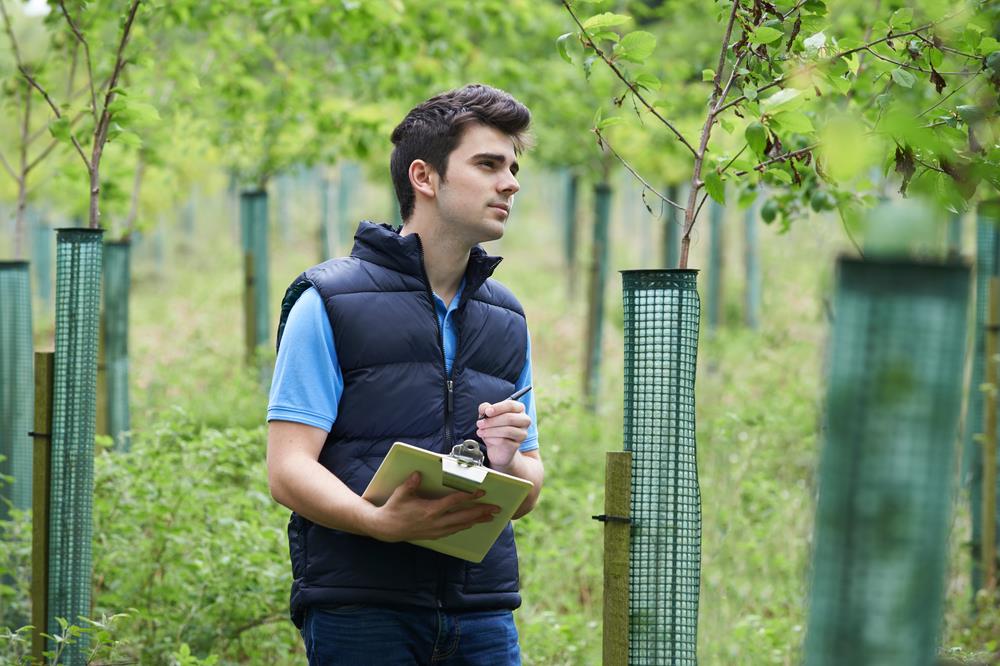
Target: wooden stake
(44, 365)
(617, 531)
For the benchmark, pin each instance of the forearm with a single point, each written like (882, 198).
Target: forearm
(315, 493)
(530, 468)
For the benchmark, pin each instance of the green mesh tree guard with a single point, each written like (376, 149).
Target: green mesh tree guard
(16, 385)
(715, 254)
(42, 243)
(349, 186)
(569, 212)
(894, 379)
(662, 311)
(598, 279)
(987, 265)
(673, 226)
(253, 223)
(752, 264)
(117, 284)
(79, 256)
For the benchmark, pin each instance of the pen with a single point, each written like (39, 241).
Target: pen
(513, 396)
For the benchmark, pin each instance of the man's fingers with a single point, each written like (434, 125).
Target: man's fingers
(504, 407)
(508, 419)
(513, 433)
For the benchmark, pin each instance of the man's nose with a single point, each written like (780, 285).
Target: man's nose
(509, 184)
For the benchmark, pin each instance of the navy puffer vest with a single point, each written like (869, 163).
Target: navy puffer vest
(389, 346)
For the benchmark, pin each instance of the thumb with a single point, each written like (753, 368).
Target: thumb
(412, 482)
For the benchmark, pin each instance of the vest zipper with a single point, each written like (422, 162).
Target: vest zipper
(449, 404)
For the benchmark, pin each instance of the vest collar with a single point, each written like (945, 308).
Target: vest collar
(382, 245)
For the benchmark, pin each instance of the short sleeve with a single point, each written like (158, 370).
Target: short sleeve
(531, 442)
(308, 382)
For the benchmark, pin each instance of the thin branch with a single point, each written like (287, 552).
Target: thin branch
(41, 131)
(701, 203)
(949, 49)
(914, 67)
(41, 156)
(10, 33)
(604, 143)
(847, 230)
(101, 130)
(735, 157)
(7, 167)
(86, 52)
(780, 158)
(945, 98)
(706, 133)
(631, 86)
(55, 110)
(794, 9)
(732, 77)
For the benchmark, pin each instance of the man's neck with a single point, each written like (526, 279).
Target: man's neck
(445, 258)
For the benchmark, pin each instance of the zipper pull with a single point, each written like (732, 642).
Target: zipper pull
(451, 397)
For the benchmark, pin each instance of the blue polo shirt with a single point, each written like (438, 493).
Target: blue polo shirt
(308, 382)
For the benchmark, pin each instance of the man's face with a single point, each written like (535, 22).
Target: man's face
(475, 198)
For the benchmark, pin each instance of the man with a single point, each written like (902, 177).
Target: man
(408, 339)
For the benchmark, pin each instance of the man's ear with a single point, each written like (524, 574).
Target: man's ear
(423, 178)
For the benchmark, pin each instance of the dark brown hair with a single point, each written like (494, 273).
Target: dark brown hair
(433, 129)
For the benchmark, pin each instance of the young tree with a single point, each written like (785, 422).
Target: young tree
(809, 101)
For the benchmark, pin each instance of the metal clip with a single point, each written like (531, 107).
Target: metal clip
(467, 453)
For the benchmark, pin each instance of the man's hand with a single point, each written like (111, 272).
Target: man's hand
(502, 427)
(406, 516)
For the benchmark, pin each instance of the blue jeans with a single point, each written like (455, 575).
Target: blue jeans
(374, 636)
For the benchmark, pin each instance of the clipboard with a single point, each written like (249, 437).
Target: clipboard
(442, 475)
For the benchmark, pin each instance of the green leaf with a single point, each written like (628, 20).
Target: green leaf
(765, 35)
(788, 99)
(708, 75)
(780, 175)
(903, 77)
(647, 81)
(608, 122)
(756, 136)
(715, 187)
(636, 46)
(853, 63)
(970, 113)
(794, 121)
(563, 46)
(815, 7)
(605, 20)
(750, 92)
(605, 35)
(901, 18)
(60, 129)
(988, 45)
